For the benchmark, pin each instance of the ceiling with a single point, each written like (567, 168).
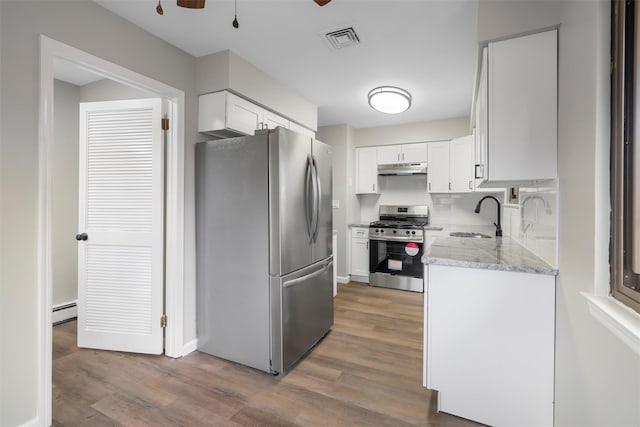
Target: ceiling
(427, 47)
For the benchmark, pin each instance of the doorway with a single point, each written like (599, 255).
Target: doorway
(52, 51)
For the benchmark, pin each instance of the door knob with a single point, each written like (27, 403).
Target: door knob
(82, 236)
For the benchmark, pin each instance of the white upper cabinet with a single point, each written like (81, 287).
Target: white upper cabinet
(438, 167)
(271, 121)
(225, 115)
(517, 110)
(367, 171)
(414, 153)
(242, 115)
(450, 166)
(403, 153)
(461, 152)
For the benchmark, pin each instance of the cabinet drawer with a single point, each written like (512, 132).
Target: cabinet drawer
(360, 232)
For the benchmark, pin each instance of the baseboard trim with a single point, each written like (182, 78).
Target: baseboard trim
(64, 312)
(33, 422)
(190, 347)
(343, 279)
(361, 279)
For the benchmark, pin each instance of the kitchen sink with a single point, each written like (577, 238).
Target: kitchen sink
(470, 234)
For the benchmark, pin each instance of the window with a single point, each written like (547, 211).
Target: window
(625, 153)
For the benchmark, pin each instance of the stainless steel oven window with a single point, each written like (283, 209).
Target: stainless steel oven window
(625, 154)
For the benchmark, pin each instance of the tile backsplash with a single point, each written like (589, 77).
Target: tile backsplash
(444, 209)
(533, 222)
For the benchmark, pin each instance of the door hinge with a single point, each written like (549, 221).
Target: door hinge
(165, 123)
(163, 321)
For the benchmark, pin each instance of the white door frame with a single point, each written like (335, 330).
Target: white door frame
(174, 202)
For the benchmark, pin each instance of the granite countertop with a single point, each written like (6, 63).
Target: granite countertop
(359, 224)
(500, 253)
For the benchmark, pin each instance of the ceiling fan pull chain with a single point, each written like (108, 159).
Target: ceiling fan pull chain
(235, 15)
(159, 8)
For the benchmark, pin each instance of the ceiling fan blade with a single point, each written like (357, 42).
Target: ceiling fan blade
(191, 4)
(321, 2)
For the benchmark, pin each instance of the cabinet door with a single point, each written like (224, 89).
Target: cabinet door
(461, 164)
(242, 115)
(414, 153)
(367, 171)
(389, 154)
(271, 120)
(438, 167)
(359, 256)
(523, 108)
(481, 134)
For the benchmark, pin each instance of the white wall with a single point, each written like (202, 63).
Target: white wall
(86, 26)
(227, 70)
(597, 378)
(109, 90)
(64, 193)
(337, 137)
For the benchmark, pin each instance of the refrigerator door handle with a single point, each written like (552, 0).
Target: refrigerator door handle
(307, 199)
(318, 199)
(308, 276)
(315, 207)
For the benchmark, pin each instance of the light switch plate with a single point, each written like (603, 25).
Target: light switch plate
(336, 204)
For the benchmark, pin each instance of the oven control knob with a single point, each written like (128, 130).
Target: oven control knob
(413, 232)
(407, 232)
(394, 231)
(382, 231)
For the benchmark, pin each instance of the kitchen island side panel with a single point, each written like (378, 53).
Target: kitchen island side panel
(232, 246)
(490, 344)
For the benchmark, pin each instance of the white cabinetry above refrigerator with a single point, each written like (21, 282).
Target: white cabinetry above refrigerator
(224, 114)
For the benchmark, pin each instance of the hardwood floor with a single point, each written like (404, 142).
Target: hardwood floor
(366, 372)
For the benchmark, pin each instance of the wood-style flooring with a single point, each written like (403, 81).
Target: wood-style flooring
(366, 372)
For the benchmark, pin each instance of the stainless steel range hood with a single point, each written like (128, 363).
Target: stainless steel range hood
(403, 169)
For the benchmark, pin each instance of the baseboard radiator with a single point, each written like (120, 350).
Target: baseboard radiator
(64, 312)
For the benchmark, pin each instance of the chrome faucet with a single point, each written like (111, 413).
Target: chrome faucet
(477, 210)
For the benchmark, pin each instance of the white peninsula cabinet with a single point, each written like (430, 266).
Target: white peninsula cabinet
(489, 344)
(367, 170)
(517, 111)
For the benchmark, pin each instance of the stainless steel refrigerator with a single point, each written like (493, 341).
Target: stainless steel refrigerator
(263, 243)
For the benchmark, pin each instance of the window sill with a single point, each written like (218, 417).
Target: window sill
(618, 318)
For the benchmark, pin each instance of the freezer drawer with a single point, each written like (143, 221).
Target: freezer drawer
(305, 314)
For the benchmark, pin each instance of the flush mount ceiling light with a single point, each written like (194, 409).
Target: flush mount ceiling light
(389, 99)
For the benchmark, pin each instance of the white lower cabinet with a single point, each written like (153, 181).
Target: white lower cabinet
(489, 344)
(360, 253)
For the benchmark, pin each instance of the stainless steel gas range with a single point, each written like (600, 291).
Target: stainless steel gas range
(396, 247)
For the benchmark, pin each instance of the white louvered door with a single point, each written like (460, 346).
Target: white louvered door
(121, 206)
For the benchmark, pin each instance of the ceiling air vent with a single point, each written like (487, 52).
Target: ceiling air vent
(344, 37)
